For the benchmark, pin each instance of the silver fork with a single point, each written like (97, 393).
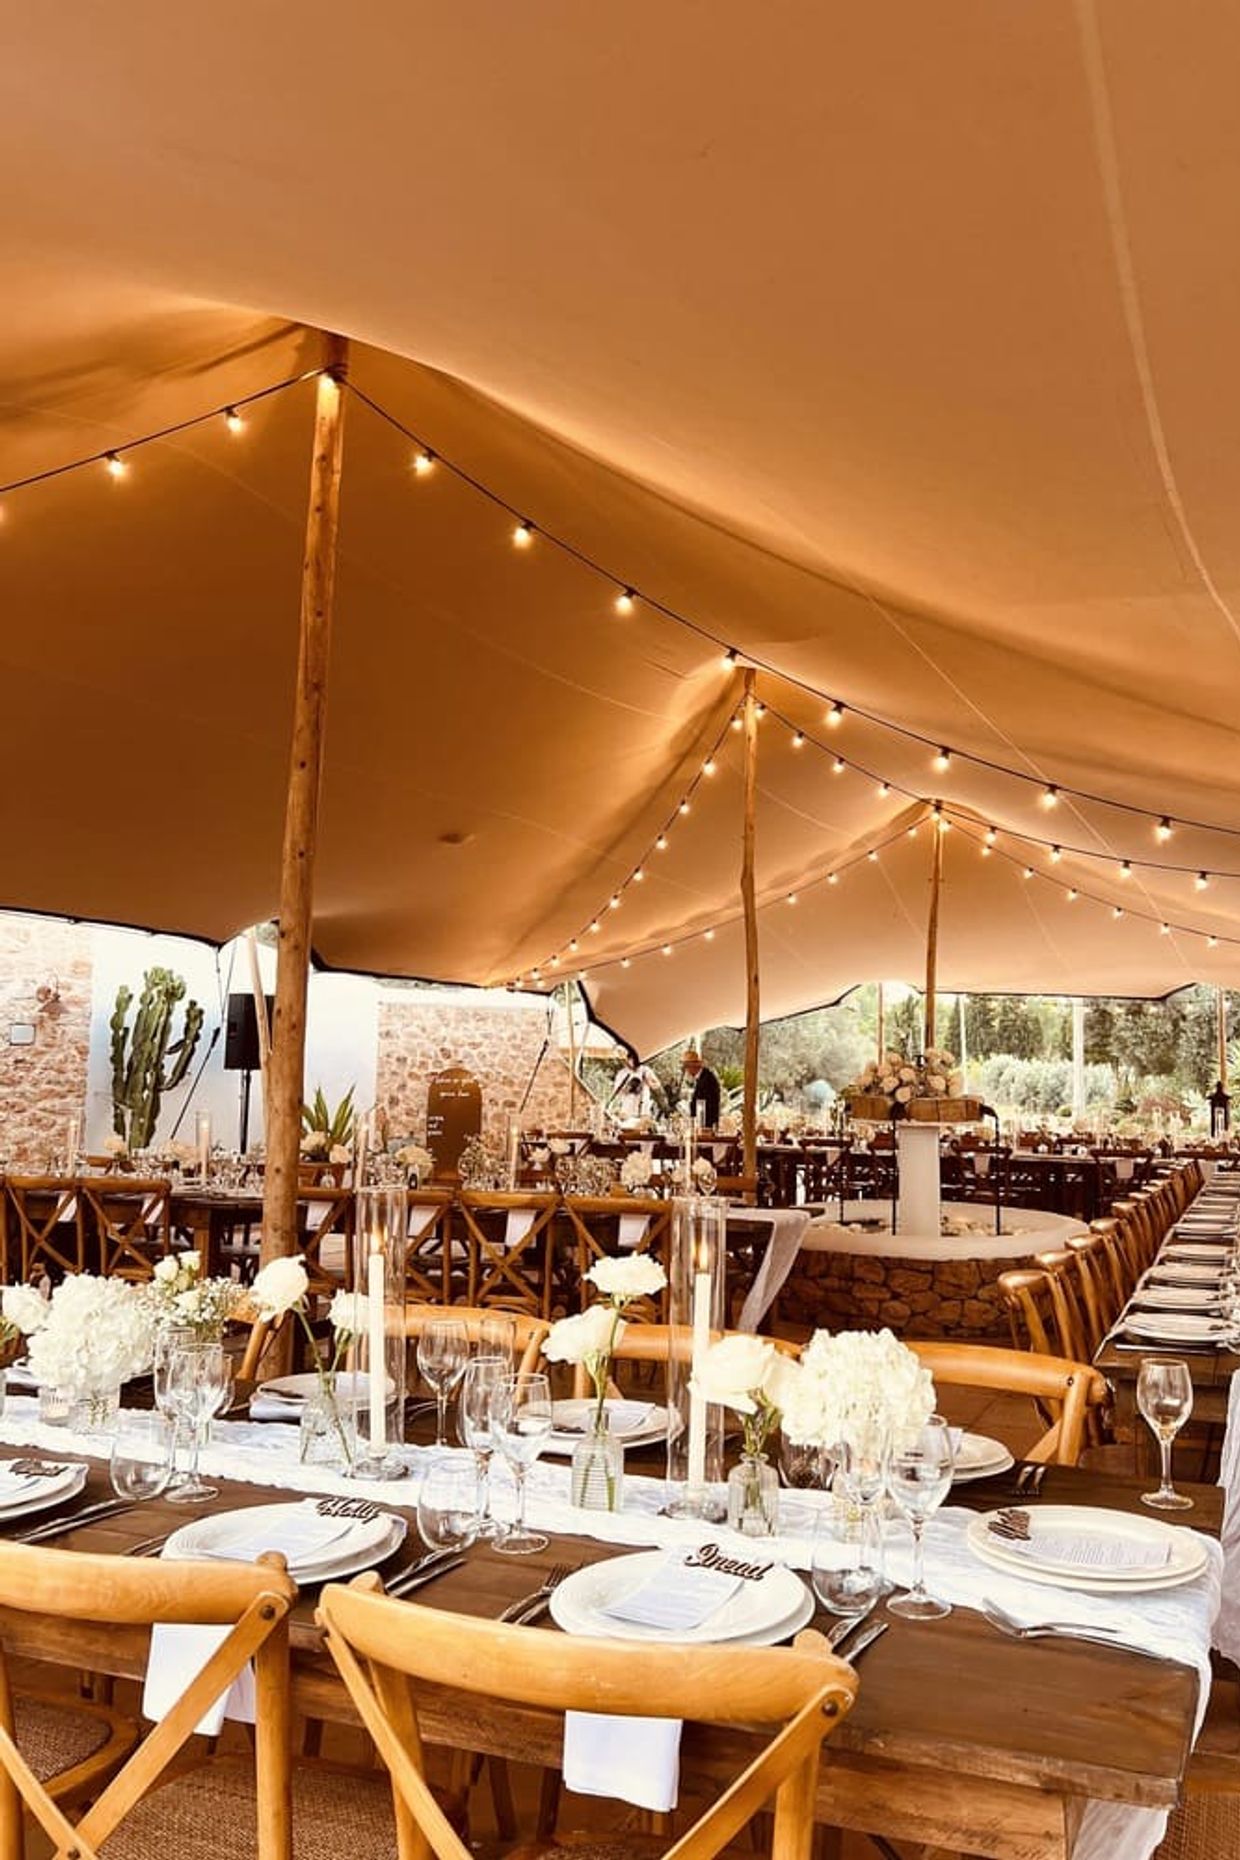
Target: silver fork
(1057, 1630)
(520, 1614)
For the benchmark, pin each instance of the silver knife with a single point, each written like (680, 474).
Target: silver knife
(93, 1514)
(419, 1581)
(874, 1632)
(842, 1629)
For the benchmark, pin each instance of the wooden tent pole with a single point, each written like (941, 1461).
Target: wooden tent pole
(932, 932)
(1222, 1037)
(749, 1113)
(285, 1069)
(572, 1056)
(881, 1038)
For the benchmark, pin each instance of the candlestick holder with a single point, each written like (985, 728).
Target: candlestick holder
(697, 1306)
(380, 1241)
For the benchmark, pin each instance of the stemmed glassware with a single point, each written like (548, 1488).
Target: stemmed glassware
(192, 1382)
(482, 1378)
(919, 1476)
(1165, 1398)
(521, 1422)
(443, 1353)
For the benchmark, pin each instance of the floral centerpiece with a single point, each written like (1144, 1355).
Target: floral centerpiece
(751, 1377)
(926, 1089)
(852, 1380)
(636, 1171)
(279, 1290)
(180, 1297)
(589, 1339)
(417, 1162)
(481, 1167)
(91, 1335)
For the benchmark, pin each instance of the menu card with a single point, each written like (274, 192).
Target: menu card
(674, 1596)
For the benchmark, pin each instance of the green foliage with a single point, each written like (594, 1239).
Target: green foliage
(141, 1072)
(337, 1125)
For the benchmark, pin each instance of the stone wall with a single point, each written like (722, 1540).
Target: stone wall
(42, 1085)
(499, 1041)
(957, 1298)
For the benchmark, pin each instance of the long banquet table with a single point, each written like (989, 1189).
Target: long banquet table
(960, 1737)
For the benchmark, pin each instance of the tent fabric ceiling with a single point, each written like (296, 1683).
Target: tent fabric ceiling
(892, 344)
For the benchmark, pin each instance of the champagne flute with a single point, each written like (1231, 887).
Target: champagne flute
(521, 1422)
(919, 1477)
(198, 1380)
(443, 1352)
(1165, 1398)
(473, 1419)
(447, 1501)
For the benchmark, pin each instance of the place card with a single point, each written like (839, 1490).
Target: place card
(675, 1596)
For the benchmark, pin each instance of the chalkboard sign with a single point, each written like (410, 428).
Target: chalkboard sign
(453, 1115)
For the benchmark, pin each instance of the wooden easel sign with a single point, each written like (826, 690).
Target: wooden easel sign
(453, 1115)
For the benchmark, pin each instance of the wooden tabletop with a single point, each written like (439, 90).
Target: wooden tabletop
(959, 1735)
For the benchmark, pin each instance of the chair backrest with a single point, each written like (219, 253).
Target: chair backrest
(251, 1601)
(1063, 1269)
(1098, 1290)
(528, 1332)
(380, 1646)
(1070, 1391)
(46, 1234)
(126, 1224)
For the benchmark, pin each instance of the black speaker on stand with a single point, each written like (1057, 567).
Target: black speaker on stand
(241, 1050)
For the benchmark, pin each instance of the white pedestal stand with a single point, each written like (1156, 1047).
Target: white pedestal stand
(918, 1210)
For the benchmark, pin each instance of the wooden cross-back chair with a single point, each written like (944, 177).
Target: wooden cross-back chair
(133, 1816)
(126, 1222)
(519, 1276)
(1072, 1393)
(386, 1650)
(429, 1258)
(1063, 1269)
(322, 1212)
(1120, 1253)
(1099, 1289)
(604, 1226)
(46, 1234)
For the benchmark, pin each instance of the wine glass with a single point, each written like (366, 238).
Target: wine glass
(496, 1335)
(919, 1477)
(443, 1352)
(482, 1377)
(1165, 1398)
(520, 1422)
(140, 1464)
(197, 1379)
(447, 1504)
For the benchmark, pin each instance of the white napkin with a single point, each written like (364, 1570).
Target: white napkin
(632, 1759)
(632, 1231)
(518, 1224)
(179, 1651)
(273, 1408)
(300, 1537)
(674, 1596)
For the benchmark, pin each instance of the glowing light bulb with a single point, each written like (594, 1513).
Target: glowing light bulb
(798, 741)
(872, 856)
(759, 711)
(943, 760)
(1202, 880)
(737, 724)
(595, 927)
(708, 767)
(1029, 872)
(667, 949)
(729, 657)
(626, 600)
(792, 897)
(1050, 796)
(613, 903)
(683, 808)
(523, 535)
(835, 716)
(708, 936)
(114, 465)
(1165, 929)
(986, 851)
(1056, 854)
(624, 962)
(1118, 912)
(555, 962)
(1125, 868)
(424, 464)
(233, 420)
(884, 789)
(833, 878)
(535, 975)
(1073, 896)
(638, 876)
(660, 844)
(573, 947)
(912, 832)
(1211, 942)
(838, 766)
(991, 836)
(1164, 830)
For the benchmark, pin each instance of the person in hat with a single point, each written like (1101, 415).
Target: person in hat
(705, 1094)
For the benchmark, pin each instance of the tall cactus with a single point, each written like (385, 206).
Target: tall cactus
(140, 1053)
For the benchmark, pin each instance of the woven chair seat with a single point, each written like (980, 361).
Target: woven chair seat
(1203, 1827)
(600, 1846)
(52, 1736)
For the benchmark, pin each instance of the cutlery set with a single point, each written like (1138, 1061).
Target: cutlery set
(1029, 1480)
(1095, 1632)
(858, 1630)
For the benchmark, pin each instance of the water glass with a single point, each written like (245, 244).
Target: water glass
(521, 1421)
(919, 1477)
(474, 1424)
(197, 1381)
(443, 1352)
(847, 1555)
(141, 1460)
(1165, 1398)
(447, 1504)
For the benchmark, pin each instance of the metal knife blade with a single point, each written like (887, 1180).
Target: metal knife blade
(93, 1514)
(874, 1632)
(842, 1629)
(419, 1581)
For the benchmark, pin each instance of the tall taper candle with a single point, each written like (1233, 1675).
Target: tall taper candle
(377, 1351)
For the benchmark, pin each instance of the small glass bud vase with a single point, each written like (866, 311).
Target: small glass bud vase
(328, 1431)
(753, 1497)
(597, 1478)
(55, 1406)
(94, 1411)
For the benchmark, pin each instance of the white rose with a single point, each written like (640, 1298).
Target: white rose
(903, 1094)
(907, 1074)
(636, 1276)
(349, 1314)
(22, 1305)
(340, 1153)
(314, 1143)
(168, 1270)
(279, 1286)
(937, 1083)
(733, 1371)
(115, 1145)
(589, 1333)
(783, 1381)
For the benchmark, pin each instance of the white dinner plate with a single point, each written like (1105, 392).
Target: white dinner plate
(758, 1608)
(1196, 1249)
(1177, 1327)
(296, 1389)
(367, 1543)
(1177, 1297)
(564, 1436)
(41, 1494)
(1186, 1555)
(1185, 1273)
(979, 1457)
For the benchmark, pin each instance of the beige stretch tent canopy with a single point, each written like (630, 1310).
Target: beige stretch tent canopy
(894, 345)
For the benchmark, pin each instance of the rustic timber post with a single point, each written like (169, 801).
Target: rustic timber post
(749, 1112)
(1222, 1036)
(881, 1036)
(569, 1004)
(285, 1083)
(932, 932)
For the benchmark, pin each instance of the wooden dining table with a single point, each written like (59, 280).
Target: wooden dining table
(961, 1737)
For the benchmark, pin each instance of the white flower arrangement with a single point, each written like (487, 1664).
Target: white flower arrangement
(23, 1308)
(636, 1171)
(94, 1334)
(314, 1144)
(417, 1161)
(851, 1379)
(590, 1336)
(279, 1286)
(750, 1376)
(934, 1075)
(340, 1154)
(178, 1294)
(115, 1145)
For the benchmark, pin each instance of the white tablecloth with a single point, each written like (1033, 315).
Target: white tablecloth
(787, 1230)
